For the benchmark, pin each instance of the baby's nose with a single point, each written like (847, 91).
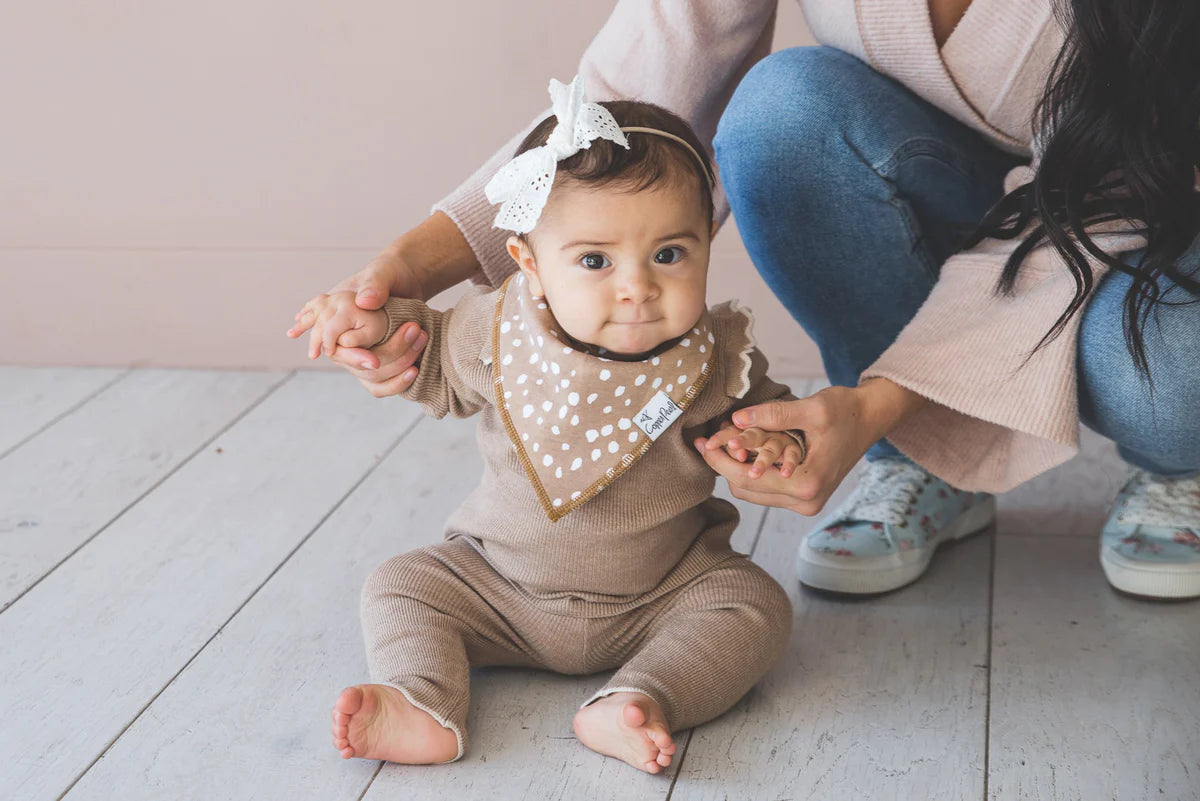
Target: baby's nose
(636, 286)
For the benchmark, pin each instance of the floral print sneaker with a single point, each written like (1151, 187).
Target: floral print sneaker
(1151, 543)
(886, 532)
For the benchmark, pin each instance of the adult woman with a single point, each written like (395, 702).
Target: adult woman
(857, 172)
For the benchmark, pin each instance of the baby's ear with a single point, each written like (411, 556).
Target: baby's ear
(522, 254)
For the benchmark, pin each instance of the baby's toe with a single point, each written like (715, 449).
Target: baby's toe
(633, 716)
(349, 702)
(663, 741)
(664, 759)
(652, 766)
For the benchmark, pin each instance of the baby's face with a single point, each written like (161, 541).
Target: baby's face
(620, 269)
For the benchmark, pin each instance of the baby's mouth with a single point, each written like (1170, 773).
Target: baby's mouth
(633, 322)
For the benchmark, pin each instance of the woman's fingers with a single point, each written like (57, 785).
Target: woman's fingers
(801, 492)
(385, 275)
(772, 416)
(813, 413)
(737, 474)
(372, 290)
(359, 361)
(807, 508)
(392, 386)
(388, 368)
(402, 350)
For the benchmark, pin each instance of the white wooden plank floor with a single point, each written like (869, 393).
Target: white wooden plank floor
(181, 554)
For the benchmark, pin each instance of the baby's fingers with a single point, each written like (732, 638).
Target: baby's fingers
(768, 454)
(304, 321)
(790, 460)
(307, 316)
(750, 439)
(337, 325)
(721, 438)
(316, 336)
(356, 338)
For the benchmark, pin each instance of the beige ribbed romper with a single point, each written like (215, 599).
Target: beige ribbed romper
(593, 541)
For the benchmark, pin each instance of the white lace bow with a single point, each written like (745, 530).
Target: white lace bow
(523, 184)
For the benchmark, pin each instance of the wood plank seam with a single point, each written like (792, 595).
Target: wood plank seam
(78, 405)
(677, 765)
(270, 391)
(374, 776)
(987, 701)
(350, 491)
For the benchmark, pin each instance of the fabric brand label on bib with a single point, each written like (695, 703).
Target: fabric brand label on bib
(657, 415)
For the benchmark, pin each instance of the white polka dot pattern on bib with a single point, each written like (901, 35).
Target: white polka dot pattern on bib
(571, 422)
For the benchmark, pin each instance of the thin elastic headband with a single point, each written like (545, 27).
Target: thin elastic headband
(680, 140)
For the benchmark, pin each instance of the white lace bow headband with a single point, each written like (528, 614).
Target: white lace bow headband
(523, 184)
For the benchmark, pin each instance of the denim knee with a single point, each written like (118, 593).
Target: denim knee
(779, 111)
(1156, 430)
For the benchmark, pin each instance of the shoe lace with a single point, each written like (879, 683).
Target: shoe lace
(885, 491)
(1160, 501)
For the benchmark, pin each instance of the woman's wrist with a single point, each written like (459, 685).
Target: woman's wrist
(884, 405)
(436, 254)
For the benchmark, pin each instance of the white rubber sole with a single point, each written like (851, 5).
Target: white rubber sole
(1150, 579)
(884, 573)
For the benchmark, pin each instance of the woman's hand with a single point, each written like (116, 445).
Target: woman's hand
(338, 321)
(839, 423)
(429, 258)
(767, 448)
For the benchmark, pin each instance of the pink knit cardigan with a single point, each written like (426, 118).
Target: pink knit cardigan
(992, 423)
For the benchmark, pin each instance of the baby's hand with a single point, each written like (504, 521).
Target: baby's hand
(768, 448)
(336, 321)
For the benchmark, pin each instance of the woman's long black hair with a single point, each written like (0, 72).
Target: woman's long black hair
(1120, 123)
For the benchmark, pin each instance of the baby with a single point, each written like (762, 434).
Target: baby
(593, 541)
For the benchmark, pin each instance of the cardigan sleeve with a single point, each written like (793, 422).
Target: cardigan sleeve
(999, 413)
(685, 55)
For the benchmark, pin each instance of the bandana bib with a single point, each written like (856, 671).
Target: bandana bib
(578, 421)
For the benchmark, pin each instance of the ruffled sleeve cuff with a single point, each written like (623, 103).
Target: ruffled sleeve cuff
(743, 367)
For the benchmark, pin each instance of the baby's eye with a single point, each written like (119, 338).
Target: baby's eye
(668, 255)
(595, 261)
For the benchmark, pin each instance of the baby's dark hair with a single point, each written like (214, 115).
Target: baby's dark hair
(649, 159)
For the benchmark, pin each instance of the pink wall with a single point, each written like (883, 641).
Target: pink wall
(179, 177)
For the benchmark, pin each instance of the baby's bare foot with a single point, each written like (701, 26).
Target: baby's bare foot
(628, 726)
(375, 721)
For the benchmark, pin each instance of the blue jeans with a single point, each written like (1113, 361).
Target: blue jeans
(850, 191)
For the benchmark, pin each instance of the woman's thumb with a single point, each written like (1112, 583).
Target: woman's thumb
(772, 416)
(372, 293)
